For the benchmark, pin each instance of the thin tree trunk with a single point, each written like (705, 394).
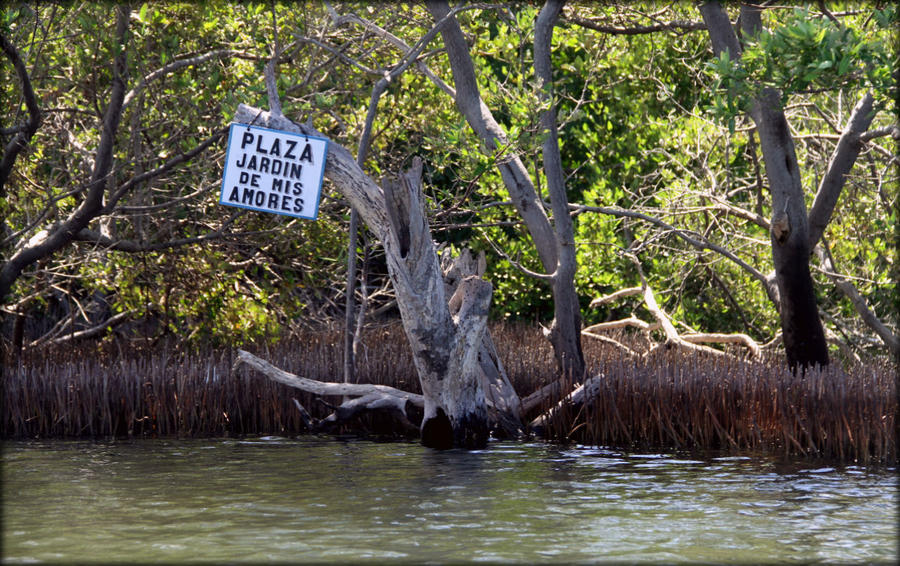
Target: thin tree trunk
(565, 332)
(350, 301)
(804, 337)
(550, 242)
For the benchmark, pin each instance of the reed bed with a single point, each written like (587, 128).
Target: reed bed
(672, 400)
(168, 392)
(690, 401)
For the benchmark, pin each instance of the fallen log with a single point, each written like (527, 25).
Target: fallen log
(576, 397)
(368, 397)
(550, 391)
(323, 387)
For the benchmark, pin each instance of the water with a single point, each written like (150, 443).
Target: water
(324, 500)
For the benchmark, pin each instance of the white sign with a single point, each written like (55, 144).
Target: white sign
(273, 171)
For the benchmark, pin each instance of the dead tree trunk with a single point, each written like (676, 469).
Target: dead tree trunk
(445, 346)
(503, 403)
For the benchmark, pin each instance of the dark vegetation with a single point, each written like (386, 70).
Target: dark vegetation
(671, 400)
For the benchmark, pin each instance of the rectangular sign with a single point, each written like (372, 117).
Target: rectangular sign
(273, 171)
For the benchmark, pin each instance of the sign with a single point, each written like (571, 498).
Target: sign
(273, 171)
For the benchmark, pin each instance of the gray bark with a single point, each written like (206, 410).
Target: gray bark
(565, 331)
(323, 387)
(504, 406)
(367, 397)
(481, 120)
(555, 246)
(839, 166)
(444, 346)
(804, 337)
(577, 397)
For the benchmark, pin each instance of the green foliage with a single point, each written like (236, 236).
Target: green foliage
(803, 54)
(633, 130)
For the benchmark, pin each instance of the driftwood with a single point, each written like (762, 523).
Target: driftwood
(576, 397)
(552, 390)
(693, 341)
(368, 397)
(323, 387)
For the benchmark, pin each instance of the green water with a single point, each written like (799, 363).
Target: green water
(324, 500)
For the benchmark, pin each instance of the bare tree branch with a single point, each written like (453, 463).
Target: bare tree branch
(624, 323)
(689, 236)
(677, 26)
(148, 208)
(180, 64)
(25, 131)
(891, 130)
(86, 333)
(164, 168)
(839, 166)
(890, 339)
(548, 278)
(614, 343)
(691, 341)
(92, 204)
(718, 338)
(340, 20)
(86, 235)
(630, 291)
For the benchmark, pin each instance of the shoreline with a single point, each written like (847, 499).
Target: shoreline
(668, 401)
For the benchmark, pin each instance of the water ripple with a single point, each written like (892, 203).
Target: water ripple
(280, 499)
